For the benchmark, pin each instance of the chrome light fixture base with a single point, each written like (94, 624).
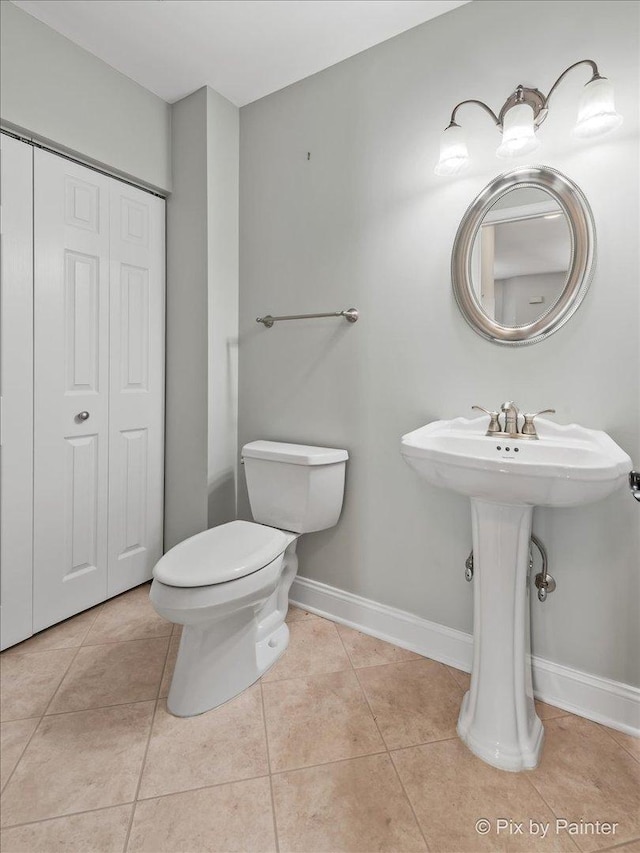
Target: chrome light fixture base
(523, 95)
(597, 115)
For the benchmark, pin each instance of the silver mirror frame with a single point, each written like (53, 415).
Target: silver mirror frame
(583, 255)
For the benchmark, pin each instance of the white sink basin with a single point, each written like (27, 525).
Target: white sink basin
(567, 466)
(505, 479)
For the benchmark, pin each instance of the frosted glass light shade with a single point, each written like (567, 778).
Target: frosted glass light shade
(597, 112)
(454, 156)
(518, 132)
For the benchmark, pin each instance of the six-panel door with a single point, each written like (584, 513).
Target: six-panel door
(98, 329)
(16, 390)
(136, 400)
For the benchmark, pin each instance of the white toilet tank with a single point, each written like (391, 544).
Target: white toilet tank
(294, 486)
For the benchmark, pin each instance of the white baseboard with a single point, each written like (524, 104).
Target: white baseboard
(611, 703)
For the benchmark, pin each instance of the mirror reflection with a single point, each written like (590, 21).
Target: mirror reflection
(521, 257)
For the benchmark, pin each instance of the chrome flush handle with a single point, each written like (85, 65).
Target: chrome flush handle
(634, 484)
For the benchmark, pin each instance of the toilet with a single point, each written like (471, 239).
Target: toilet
(229, 586)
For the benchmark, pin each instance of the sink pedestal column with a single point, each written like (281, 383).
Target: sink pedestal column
(497, 720)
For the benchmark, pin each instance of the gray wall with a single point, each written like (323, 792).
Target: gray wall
(223, 121)
(365, 222)
(57, 92)
(186, 447)
(202, 317)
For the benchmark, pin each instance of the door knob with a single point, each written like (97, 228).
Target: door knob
(82, 416)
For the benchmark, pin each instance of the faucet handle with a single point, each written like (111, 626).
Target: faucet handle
(494, 420)
(529, 428)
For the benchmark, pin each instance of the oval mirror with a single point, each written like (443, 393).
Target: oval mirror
(523, 256)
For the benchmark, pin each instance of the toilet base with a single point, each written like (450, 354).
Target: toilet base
(209, 672)
(220, 657)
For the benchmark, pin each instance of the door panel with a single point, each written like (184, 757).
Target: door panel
(136, 407)
(16, 390)
(71, 374)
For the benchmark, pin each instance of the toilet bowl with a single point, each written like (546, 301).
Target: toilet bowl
(229, 586)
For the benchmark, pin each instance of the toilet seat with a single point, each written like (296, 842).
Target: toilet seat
(224, 553)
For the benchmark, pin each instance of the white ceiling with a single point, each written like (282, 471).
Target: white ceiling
(244, 49)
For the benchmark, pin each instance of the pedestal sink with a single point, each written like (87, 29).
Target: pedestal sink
(505, 479)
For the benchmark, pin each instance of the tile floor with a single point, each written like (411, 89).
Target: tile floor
(347, 744)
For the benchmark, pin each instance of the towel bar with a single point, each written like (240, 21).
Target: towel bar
(350, 315)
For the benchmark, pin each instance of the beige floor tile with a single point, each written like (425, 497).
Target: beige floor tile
(413, 702)
(130, 616)
(630, 743)
(462, 679)
(314, 648)
(548, 712)
(294, 614)
(369, 651)
(28, 681)
(632, 847)
(102, 831)
(316, 720)
(79, 761)
(112, 674)
(227, 818)
(169, 666)
(355, 805)
(14, 736)
(585, 776)
(451, 790)
(177, 630)
(224, 745)
(65, 635)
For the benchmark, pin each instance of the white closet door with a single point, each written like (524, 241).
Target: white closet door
(136, 405)
(71, 325)
(16, 388)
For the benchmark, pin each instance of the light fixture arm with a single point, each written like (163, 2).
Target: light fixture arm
(454, 123)
(522, 114)
(595, 76)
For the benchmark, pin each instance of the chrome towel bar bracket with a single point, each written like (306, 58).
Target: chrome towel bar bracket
(350, 315)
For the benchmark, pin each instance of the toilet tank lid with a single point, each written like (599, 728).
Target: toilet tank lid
(221, 554)
(296, 454)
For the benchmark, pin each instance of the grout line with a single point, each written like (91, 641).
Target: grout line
(617, 743)
(415, 816)
(142, 766)
(285, 770)
(109, 704)
(68, 814)
(22, 751)
(266, 740)
(55, 690)
(539, 793)
(298, 677)
(125, 640)
(146, 751)
(387, 752)
(53, 694)
(618, 846)
(451, 675)
(199, 788)
(98, 608)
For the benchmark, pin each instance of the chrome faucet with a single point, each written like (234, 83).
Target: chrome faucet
(511, 428)
(511, 412)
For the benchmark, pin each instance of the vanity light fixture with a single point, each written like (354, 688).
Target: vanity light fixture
(522, 114)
